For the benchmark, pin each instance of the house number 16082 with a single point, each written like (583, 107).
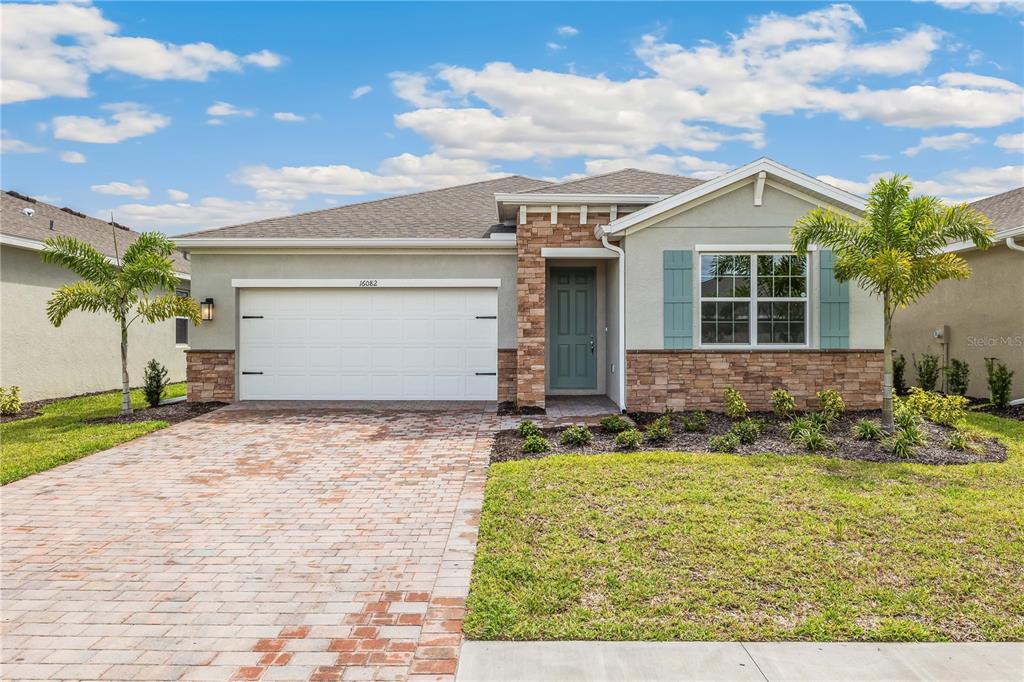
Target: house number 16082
(367, 283)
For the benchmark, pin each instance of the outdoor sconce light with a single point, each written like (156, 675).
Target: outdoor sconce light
(206, 309)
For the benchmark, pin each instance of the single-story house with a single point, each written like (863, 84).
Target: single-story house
(655, 290)
(980, 317)
(82, 355)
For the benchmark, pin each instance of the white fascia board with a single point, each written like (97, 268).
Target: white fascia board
(997, 239)
(286, 243)
(772, 168)
(748, 248)
(566, 199)
(367, 283)
(572, 252)
(36, 245)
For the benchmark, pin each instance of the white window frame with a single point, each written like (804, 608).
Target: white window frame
(177, 344)
(753, 301)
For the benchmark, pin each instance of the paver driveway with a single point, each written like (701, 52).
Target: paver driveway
(256, 542)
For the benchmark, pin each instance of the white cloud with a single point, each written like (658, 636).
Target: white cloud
(955, 141)
(361, 90)
(404, 173)
(981, 6)
(1011, 142)
(177, 195)
(129, 120)
(207, 212)
(952, 185)
(215, 122)
(412, 87)
(122, 189)
(660, 163)
(567, 31)
(11, 145)
(874, 157)
(220, 109)
(288, 117)
(72, 157)
(554, 47)
(51, 50)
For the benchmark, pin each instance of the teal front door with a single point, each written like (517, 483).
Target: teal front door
(572, 328)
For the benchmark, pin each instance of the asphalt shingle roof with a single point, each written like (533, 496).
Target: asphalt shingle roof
(626, 181)
(14, 221)
(1005, 210)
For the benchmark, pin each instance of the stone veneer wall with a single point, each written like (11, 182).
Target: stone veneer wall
(531, 268)
(506, 375)
(695, 379)
(210, 375)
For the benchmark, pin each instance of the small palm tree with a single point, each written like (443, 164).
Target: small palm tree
(123, 288)
(895, 251)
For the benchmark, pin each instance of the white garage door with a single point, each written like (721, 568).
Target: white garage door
(368, 344)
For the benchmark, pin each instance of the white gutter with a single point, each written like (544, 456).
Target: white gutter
(1010, 243)
(279, 243)
(622, 320)
(569, 199)
(35, 245)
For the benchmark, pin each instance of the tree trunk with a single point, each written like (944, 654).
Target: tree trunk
(887, 417)
(126, 394)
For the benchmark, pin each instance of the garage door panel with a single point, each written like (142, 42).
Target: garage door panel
(481, 360)
(481, 387)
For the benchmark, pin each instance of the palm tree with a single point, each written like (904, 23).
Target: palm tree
(895, 251)
(122, 288)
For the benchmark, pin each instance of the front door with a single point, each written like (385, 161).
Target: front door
(572, 328)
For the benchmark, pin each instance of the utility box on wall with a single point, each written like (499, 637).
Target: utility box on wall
(941, 334)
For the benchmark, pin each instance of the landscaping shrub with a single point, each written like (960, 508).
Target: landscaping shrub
(10, 400)
(577, 434)
(957, 376)
(913, 434)
(799, 424)
(963, 440)
(614, 424)
(735, 407)
(698, 421)
(783, 403)
(947, 410)
(904, 416)
(821, 419)
(812, 439)
(527, 428)
(730, 442)
(865, 429)
(659, 430)
(1000, 380)
(535, 443)
(154, 382)
(630, 439)
(899, 381)
(900, 444)
(927, 370)
(831, 405)
(748, 430)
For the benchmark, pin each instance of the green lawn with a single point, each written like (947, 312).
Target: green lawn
(660, 546)
(59, 434)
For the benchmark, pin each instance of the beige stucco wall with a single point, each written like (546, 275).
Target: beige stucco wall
(985, 315)
(729, 219)
(83, 354)
(212, 275)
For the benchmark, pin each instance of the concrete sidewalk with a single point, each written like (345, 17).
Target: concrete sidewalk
(738, 662)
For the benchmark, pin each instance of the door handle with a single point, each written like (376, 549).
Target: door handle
(591, 344)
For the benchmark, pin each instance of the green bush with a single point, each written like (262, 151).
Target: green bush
(1000, 381)
(904, 415)
(527, 428)
(698, 421)
(577, 434)
(865, 429)
(154, 382)
(783, 403)
(831, 404)
(948, 410)
(812, 439)
(659, 430)
(927, 370)
(900, 444)
(913, 434)
(729, 442)
(963, 440)
(535, 443)
(899, 368)
(10, 400)
(800, 424)
(748, 430)
(614, 424)
(630, 439)
(821, 420)
(735, 407)
(957, 377)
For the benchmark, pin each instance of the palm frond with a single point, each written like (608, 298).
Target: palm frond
(167, 306)
(148, 243)
(83, 295)
(148, 271)
(80, 258)
(826, 228)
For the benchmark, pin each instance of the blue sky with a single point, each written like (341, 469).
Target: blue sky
(178, 116)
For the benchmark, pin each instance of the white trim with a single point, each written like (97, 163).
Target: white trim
(596, 199)
(583, 214)
(289, 242)
(748, 248)
(622, 320)
(759, 188)
(36, 245)
(365, 283)
(763, 164)
(1005, 236)
(554, 214)
(576, 252)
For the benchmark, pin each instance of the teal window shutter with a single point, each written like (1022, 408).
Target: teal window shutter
(834, 305)
(678, 317)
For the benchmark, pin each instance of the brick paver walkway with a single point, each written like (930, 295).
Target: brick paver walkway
(266, 542)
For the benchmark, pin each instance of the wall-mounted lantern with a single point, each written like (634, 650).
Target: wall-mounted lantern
(206, 309)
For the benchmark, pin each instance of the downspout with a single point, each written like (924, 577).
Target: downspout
(622, 318)
(1010, 243)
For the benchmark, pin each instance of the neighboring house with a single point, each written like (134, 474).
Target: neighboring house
(980, 317)
(83, 354)
(518, 289)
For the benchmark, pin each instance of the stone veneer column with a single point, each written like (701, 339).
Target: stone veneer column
(210, 375)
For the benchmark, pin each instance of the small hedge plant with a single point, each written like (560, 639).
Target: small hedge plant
(614, 424)
(927, 370)
(963, 440)
(735, 407)
(577, 434)
(812, 439)
(527, 428)
(831, 406)
(957, 377)
(154, 382)
(900, 444)
(783, 403)
(659, 430)
(729, 442)
(630, 439)
(535, 444)
(865, 429)
(1000, 381)
(948, 410)
(748, 430)
(10, 400)
(696, 422)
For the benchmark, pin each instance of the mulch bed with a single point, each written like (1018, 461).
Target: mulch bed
(508, 444)
(172, 414)
(1008, 412)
